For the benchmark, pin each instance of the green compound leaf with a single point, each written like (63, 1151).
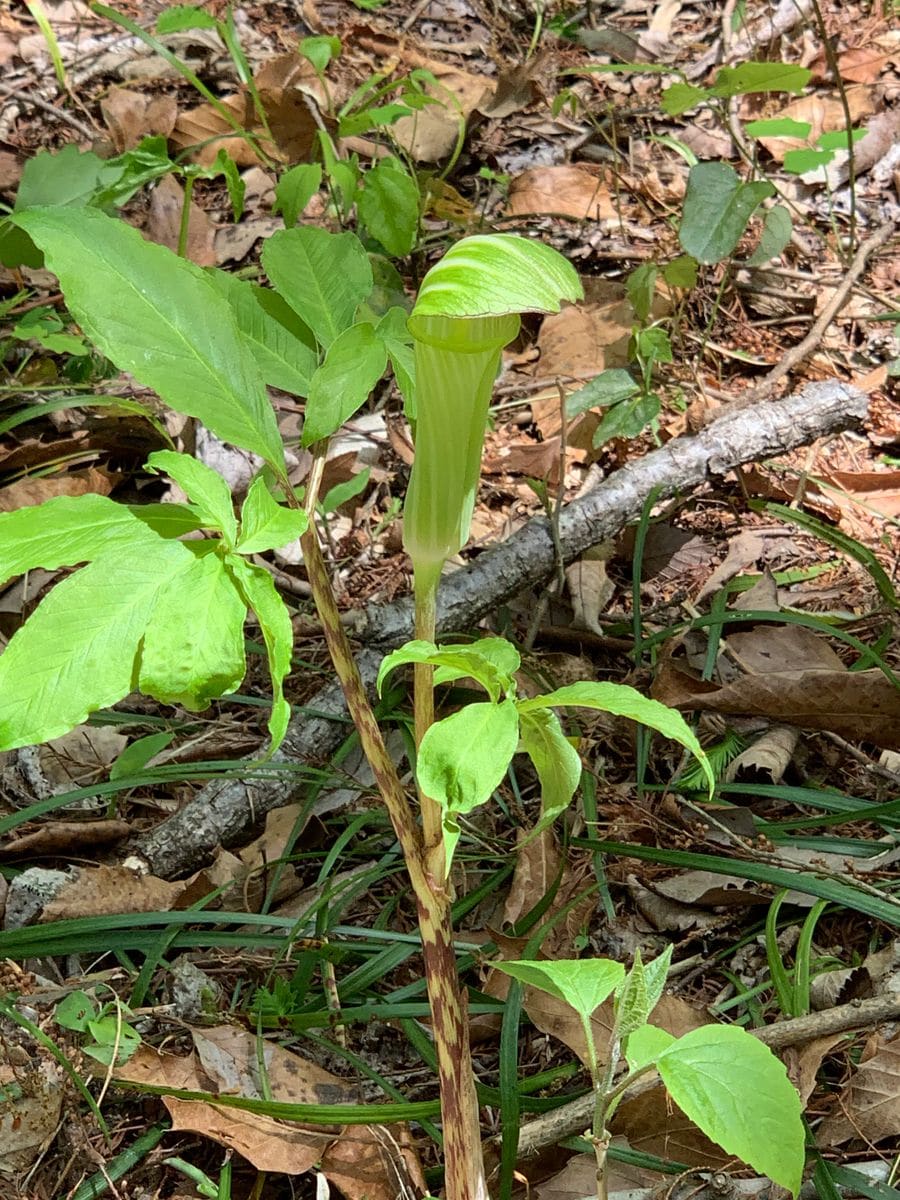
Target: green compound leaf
(158, 317)
(265, 524)
(193, 648)
(184, 16)
(778, 127)
(66, 531)
(717, 207)
(78, 651)
(645, 1045)
(279, 340)
(583, 984)
(556, 761)
(388, 206)
(624, 701)
(497, 274)
(206, 488)
(258, 590)
(738, 1093)
(323, 276)
(354, 362)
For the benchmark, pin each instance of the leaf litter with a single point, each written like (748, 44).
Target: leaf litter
(569, 178)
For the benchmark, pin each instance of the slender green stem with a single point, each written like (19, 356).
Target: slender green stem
(426, 585)
(184, 227)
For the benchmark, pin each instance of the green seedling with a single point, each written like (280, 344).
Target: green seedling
(108, 1037)
(722, 1078)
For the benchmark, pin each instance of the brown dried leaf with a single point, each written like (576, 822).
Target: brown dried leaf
(131, 116)
(164, 223)
(538, 866)
(869, 1107)
(577, 192)
(73, 483)
(202, 123)
(655, 1125)
(67, 838)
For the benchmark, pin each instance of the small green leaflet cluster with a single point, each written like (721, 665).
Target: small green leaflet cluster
(148, 611)
(463, 758)
(110, 1038)
(722, 1078)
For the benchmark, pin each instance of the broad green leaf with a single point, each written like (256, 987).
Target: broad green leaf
(624, 701)
(77, 652)
(388, 206)
(281, 344)
(343, 493)
(205, 488)
(799, 162)
(168, 520)
(59, 178)
(738, 1093)
(260, 594)
(323, 276)
(653, 345)
(609, 387)
(681, 272)
(679, 97)
(640, 287)
(752, 77)
(184, 16)
(463, 758)
(295, 189)
(836, 139)
(114, 1040)
(717, 207)
(496, 275)
(555, 759)
(193, 648)
(373, 118)
(399, 344)
(158, 316)
(489, 668)
(74, 1011)
(779, 127)
(583, 984)
(68, 530)
(266, 524)
(319, 50)
(645, 1045)
(137, 754)
(627, 419)
(354, 362)
(777, 229)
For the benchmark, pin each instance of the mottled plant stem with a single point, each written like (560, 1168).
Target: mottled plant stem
(463, 1163)
(426, 586)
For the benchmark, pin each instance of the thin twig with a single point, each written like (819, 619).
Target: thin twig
(28, 97)
(798, 353)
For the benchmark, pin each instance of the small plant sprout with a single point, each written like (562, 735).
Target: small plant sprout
(722, 1078)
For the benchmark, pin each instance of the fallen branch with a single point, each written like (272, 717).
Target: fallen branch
(225, 809)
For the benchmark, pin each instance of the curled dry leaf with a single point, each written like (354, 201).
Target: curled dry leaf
(131, 116)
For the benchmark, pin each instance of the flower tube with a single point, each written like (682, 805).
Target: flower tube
(466, 312)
